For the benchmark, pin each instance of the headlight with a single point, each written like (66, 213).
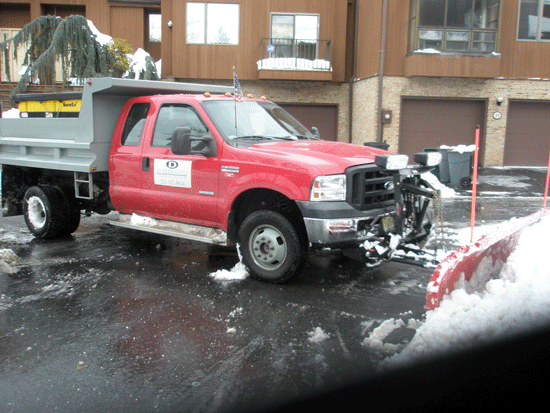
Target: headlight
(392, 162)
(328, 188)
(428, 158)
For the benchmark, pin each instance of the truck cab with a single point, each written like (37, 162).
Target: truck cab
(218, 168)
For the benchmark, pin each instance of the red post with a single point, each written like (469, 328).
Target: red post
(547, 181)
(474, 185)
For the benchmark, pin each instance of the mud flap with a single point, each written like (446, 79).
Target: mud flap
(463, 262)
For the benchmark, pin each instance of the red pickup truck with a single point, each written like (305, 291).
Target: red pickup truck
(208, 167)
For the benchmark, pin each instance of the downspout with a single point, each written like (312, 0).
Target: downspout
(353, 75)
(381, 71)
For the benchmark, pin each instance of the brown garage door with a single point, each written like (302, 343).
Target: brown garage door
(430, 123)
(527, 134)
(323, 117)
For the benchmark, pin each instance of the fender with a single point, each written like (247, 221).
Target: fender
(231, 186)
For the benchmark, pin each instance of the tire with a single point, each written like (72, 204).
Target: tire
(73, 222)
(73, 214)
(271, 247)
(46, 212)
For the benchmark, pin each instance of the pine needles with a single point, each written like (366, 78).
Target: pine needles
(50, 39)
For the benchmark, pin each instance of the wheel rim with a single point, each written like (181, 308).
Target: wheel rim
(36, 212)
(268, 247)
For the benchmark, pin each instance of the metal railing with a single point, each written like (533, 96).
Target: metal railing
(295, 54)
(457, 40)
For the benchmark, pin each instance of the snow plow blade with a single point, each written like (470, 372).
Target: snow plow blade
(464, 261)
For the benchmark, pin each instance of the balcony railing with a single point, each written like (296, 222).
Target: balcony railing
(295, 54)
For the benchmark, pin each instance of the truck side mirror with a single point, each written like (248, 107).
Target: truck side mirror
(181, 141)
(184, 144)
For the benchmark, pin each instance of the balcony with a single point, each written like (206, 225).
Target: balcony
(295, 59)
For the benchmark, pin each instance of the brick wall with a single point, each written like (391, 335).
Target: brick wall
(394, 88)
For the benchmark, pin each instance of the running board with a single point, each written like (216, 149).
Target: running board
(173, 229)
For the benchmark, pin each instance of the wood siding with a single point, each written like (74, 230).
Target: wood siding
(134, 32)
(120, 18)
(216, 62)
(509, 62)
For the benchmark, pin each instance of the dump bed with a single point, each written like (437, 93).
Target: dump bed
(82, 143)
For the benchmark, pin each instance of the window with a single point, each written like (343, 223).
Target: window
(172, 116)
(212, 23)
(250, 122)
(155, 28)
(295, 35)
(135, 122)
(534, 20)
(463, 26)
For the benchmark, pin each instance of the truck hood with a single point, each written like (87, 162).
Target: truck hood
(323, 156)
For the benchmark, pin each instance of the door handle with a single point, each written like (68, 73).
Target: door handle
(145, 164)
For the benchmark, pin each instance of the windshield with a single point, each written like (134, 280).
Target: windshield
(248, 122)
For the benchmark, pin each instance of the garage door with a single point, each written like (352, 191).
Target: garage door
(323, 117)
(527, 134)
(430, 123)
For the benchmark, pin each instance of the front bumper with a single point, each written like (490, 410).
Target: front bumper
(336, 224)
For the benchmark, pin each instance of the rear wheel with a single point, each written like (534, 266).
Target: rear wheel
(47, 212)
(271, 247)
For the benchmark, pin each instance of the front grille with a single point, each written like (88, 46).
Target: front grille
(366, 188)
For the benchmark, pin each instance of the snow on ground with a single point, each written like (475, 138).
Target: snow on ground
(516, 301)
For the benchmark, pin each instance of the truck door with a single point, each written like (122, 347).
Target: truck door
(125, 161)
(178, 187)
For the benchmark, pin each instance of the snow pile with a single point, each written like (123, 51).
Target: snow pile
(317, 335)
(238, 272)
(517, 300)
(100, 37)
(8, 259)
(137, 60)
(143, 221)
(445, 191)
(292, 63)
(459, 148)
(11, 113)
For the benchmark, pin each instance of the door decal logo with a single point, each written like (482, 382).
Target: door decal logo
(172, 173)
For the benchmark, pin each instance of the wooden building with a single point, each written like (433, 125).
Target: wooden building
(413, 73)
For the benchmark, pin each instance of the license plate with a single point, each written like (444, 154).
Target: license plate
(388, 224)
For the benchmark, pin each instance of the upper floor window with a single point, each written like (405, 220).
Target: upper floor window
(457, 26)
(212, 23)
(534, 20)
(295, 35)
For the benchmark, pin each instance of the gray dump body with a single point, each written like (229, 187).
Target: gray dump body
(81, 144)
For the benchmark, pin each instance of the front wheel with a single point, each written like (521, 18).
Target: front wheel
(271, 247)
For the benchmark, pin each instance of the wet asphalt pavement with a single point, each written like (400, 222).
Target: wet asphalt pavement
(116, 320)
